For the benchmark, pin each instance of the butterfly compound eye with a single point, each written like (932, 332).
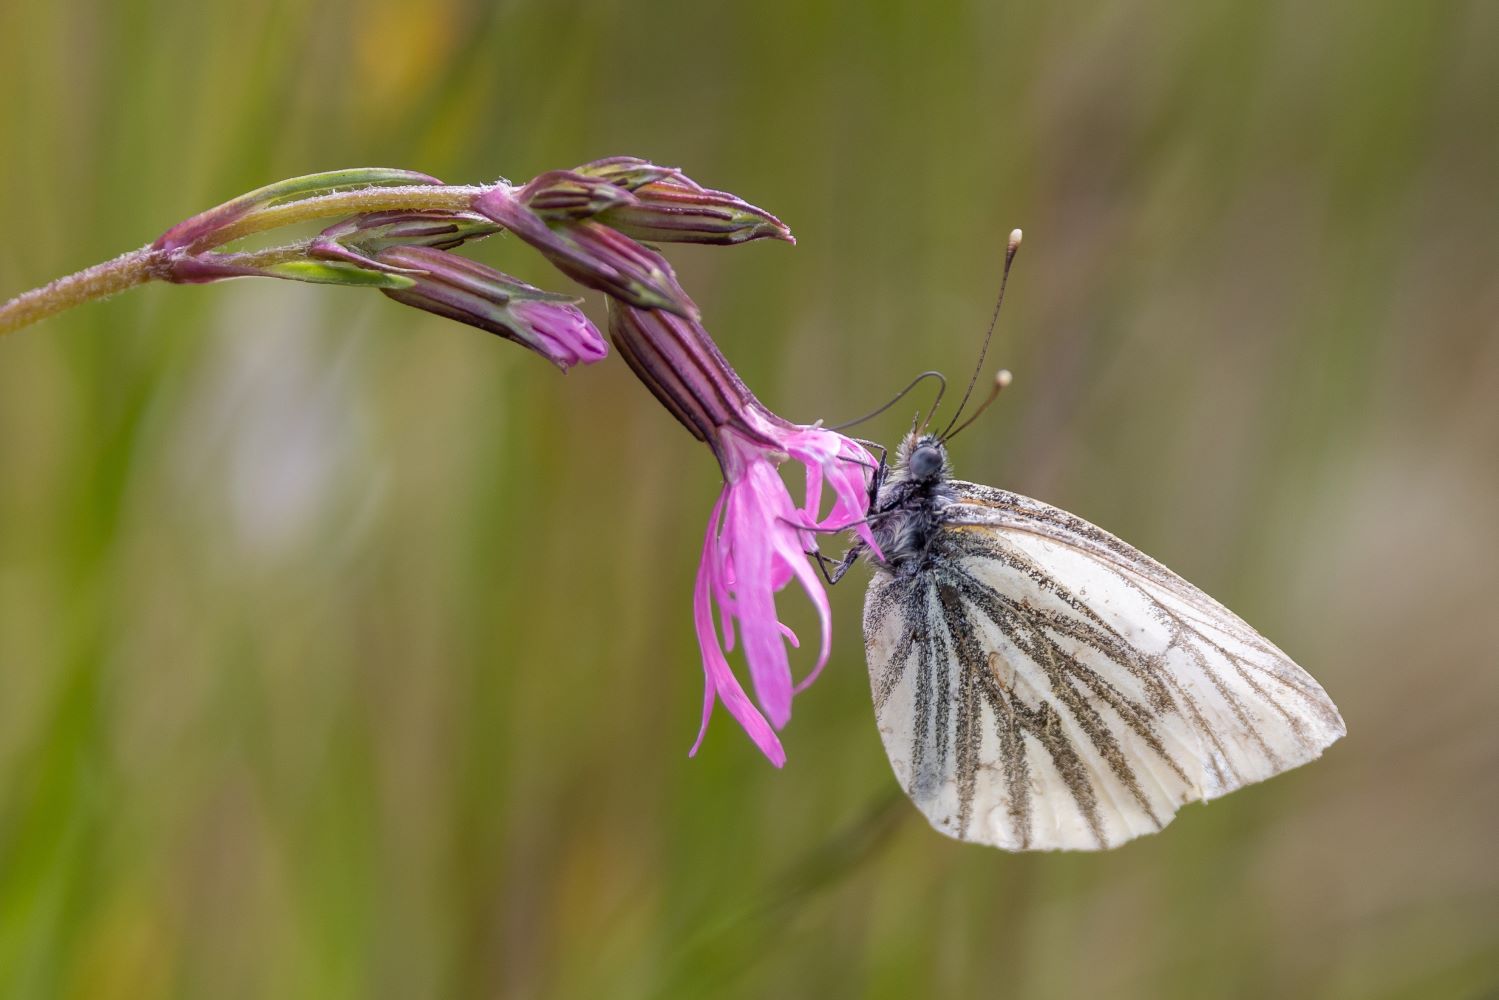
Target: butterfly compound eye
(925, 463)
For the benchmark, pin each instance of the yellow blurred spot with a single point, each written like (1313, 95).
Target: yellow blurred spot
(401, 50)
(126, 955)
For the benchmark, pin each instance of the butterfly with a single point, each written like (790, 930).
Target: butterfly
(1040, 684)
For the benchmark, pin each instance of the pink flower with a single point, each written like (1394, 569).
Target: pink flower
(758, 536)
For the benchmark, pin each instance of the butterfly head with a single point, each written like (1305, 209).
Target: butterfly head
(924, 459)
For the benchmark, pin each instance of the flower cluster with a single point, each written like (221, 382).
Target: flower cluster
(584, 221)
(398, 231)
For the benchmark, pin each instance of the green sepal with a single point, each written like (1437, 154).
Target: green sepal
(312, 185)
(336, 273)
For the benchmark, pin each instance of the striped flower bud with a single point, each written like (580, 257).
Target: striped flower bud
(465, 290)
(590, 253)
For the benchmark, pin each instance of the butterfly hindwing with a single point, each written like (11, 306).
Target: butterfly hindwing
(1039, 684)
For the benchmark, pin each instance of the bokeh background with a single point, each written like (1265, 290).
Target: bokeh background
(348, 653)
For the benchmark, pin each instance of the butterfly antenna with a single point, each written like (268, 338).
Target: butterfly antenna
(1010, 249)
(936, 401)
(941, 388)
(1002, 378)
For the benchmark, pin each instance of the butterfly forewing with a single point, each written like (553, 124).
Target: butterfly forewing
(1039, 684)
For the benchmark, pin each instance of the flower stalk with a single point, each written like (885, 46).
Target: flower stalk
(582, 220)
(97, 282)
(180, 255)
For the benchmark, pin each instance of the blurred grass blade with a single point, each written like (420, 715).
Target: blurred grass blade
(722, 949)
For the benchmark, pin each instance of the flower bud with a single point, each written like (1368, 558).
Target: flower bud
(591, 254)
(631, 172)
(675, 210)
(670, 207)
(376, 231)
(464, 290)
(564, 196)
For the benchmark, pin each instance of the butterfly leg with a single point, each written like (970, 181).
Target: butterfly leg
(878, 479)
(840, 567)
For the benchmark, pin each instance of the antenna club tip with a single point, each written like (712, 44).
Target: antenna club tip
(1003, 378)
(1015, 236)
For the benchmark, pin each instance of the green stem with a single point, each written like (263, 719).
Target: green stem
(97, 282)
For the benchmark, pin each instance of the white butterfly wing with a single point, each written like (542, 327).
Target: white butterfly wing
(1043, 685)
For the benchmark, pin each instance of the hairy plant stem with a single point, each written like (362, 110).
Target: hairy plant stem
(146, 264)
(97, 282)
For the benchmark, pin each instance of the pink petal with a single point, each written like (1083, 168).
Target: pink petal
(757, 542)
(752, 524)
(719, 679)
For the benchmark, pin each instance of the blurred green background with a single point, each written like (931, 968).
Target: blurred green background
(345, 652)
